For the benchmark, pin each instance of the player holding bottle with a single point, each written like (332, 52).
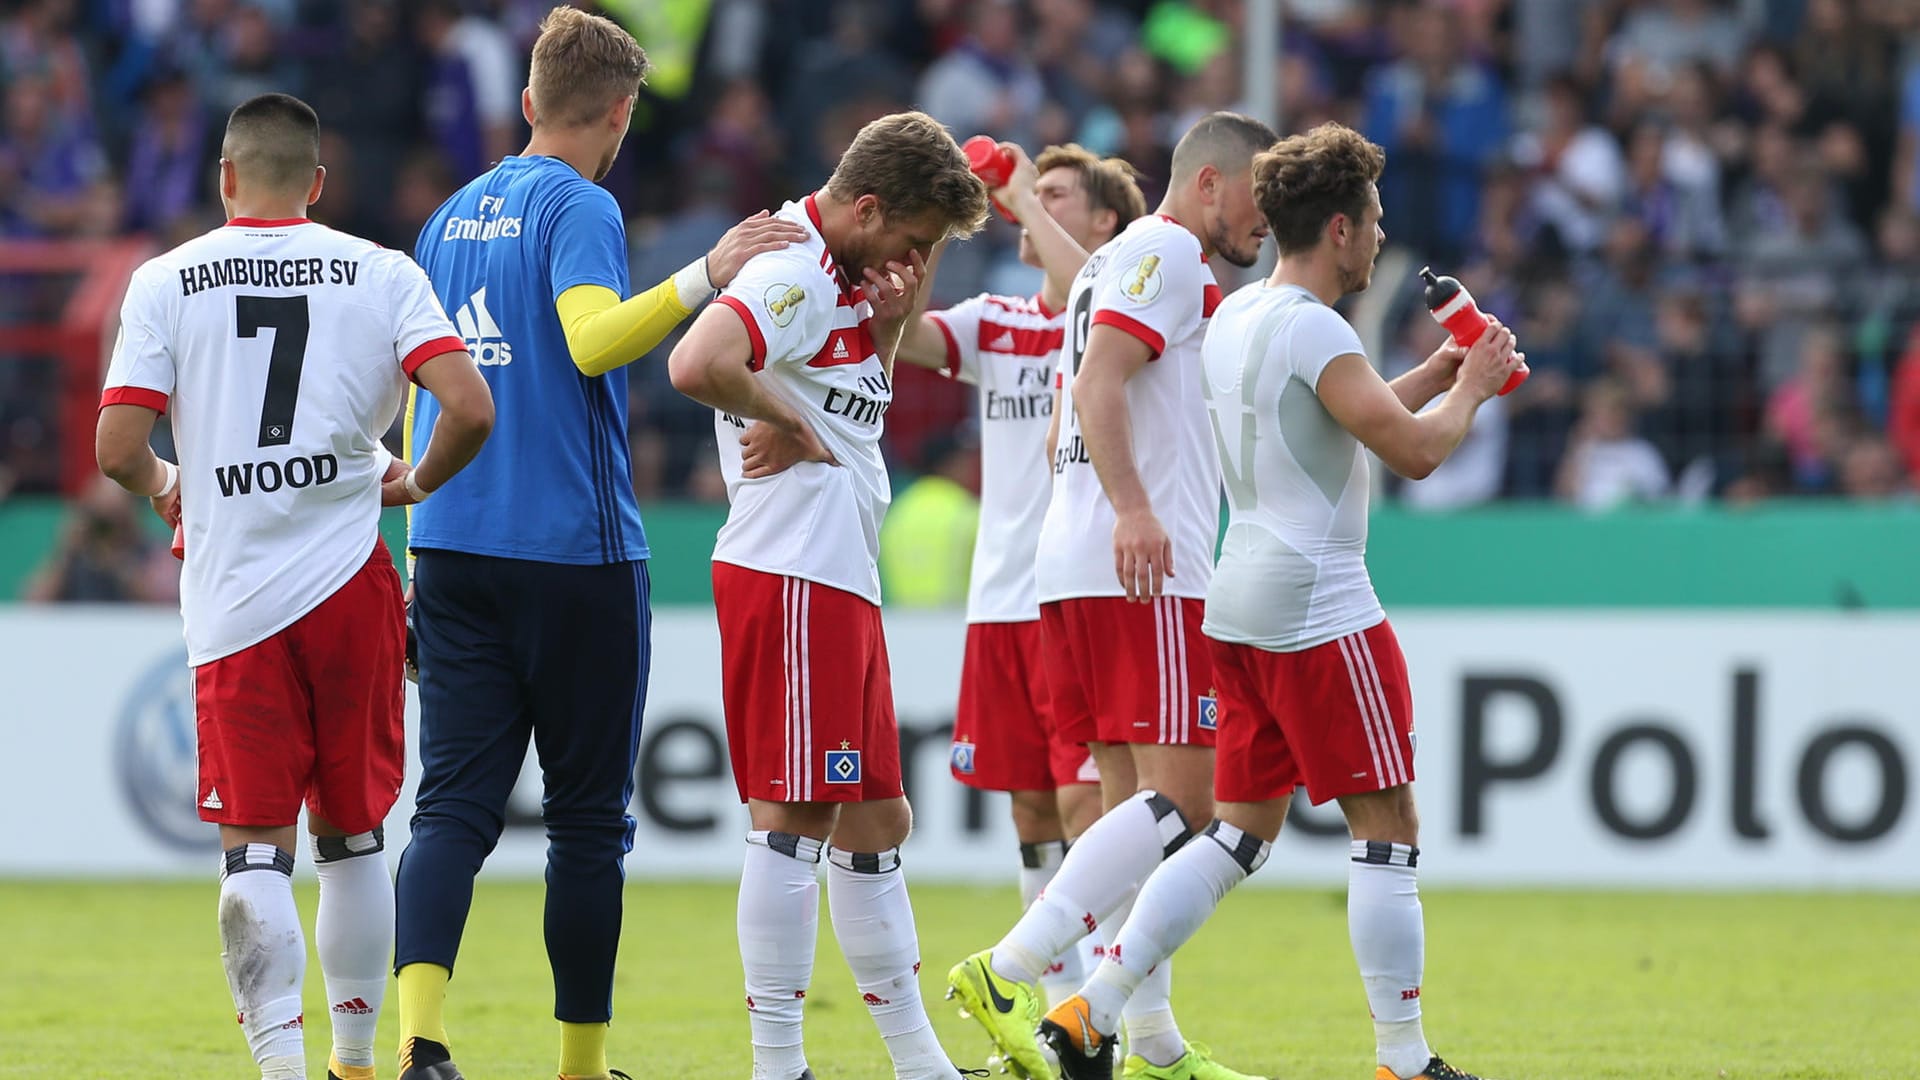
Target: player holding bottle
(1313, 688)
(1004, 737)
(1123, 562)
(282, 348)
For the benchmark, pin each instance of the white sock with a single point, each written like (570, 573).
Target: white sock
(1390, 945)
(873, 922)
(1176, 899)
(1105, 864)
(1038, 863)
(778, 921)
(353, 933)
(265, 955)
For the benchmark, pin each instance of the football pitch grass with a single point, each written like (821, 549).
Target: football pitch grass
(123, 979)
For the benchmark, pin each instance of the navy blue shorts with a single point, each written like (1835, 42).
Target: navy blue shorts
(512, 649)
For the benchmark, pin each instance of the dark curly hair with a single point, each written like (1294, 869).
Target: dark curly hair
(1302, 181)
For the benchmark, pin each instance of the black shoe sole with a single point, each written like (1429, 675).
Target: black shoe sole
(1074, 1062)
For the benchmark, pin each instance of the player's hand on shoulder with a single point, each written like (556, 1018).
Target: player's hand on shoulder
(767, 449)
(892, 293)
(1489, 361)
(758, 234)
(1142, 554)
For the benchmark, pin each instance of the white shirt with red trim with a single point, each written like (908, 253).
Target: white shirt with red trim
(1008, 346)
(282, 350)
(812, 343)
(1293, 571)
(1153, 283)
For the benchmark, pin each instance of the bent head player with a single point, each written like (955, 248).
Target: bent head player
(1312, 685)
(282, 349)
(796, 358)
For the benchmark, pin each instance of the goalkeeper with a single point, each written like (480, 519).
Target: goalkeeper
(530, 587)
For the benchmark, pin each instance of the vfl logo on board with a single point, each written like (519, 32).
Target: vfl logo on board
(1209, 713)
(481, 333)
(843, 765)
(963, 757)
(154, 757)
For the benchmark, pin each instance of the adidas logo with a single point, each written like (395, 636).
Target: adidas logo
(874, 1001)
(840, 349)
(1002, 343)
(354, 1007)
(212, 801)
(481, 333)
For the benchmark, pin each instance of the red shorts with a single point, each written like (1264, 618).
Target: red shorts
(312, 713)
(1004, 738)
(1122, 672)
(1338, 717)
(806, 690)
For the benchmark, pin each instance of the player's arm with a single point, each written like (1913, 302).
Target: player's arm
(922, 343)
(1143, 554)
(1061, 256)
(894, 294)
(711, 365)
(466, 419)
(1411, 444)
(122, 449)
(605, 332)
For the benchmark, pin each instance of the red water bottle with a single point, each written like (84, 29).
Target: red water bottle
(179, 547)
(1452, 306)
(993, 165)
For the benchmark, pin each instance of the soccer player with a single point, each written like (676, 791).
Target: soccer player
(1312, 685)
(801, 347)
(530, 607)
(1004, 739)
(1120, 592)
(282, 349)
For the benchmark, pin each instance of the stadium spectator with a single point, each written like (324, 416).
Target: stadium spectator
(1606, 463)
(926, 542)
(103, 557)
(986, 84)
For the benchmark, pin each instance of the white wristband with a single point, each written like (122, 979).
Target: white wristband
(414, 489)
(173, 480)
(693, 285)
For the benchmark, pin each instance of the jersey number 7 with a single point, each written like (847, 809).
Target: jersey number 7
(286, 316)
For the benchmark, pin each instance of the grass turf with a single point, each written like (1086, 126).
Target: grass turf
(112, 979)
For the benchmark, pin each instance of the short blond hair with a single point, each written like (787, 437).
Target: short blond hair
(581, 65)
(912, 165)
(1110, 183)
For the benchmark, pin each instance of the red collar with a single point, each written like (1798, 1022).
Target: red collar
(813, 214)
(1041, 303)
(264, 223)
(840, 275)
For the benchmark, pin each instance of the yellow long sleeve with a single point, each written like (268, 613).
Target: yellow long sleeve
(604, 332)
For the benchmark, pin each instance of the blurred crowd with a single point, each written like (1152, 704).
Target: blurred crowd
(1703, 216)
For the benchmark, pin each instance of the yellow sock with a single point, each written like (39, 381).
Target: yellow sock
(583, 1050)
(349, 1072)
(423, 999)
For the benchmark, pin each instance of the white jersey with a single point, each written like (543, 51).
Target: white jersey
(282, 350)
(1293, 571)
(1008, 347)
(813, 346)
(1152, 282)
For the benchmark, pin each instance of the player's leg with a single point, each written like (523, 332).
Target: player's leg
(866, 887)
(1001, 742)
(1078, 804)
(763, 678)
(255, 762)
(1254, 781)
(583, 635)
(352, 648)
(474, 728)
(1384, 917)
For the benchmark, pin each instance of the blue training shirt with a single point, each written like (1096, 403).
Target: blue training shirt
(554, 482)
